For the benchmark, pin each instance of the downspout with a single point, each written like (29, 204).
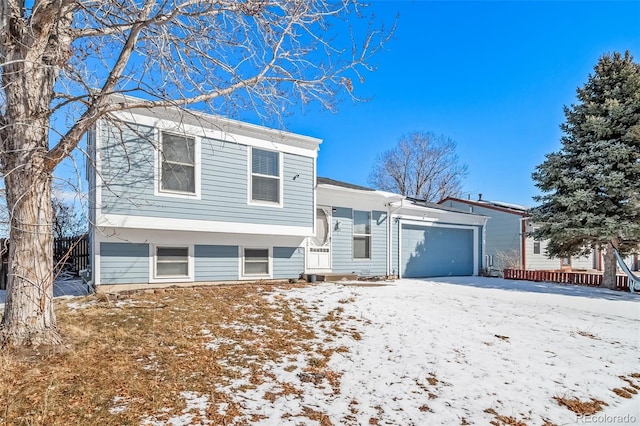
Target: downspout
(484, 244)
(390, 212)
(523, 243)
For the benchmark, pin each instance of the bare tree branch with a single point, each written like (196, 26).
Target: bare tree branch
(64, 64)
(422, 165)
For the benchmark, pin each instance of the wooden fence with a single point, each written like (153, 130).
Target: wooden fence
(578, 278)
(70, 255)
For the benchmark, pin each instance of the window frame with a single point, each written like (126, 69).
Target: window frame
(159, 161)
(241, 256)
(354, 234)
(537, 247)
(250, 175)
(153, 264)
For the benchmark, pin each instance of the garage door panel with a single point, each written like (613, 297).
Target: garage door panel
(429, 251)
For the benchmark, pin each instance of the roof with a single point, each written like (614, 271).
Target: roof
(327, 181)
(493, 205)
(423, 203)
(182, 115)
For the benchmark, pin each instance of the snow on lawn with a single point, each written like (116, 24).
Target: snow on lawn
(460, 351)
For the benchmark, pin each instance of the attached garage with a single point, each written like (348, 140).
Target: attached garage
(437, 251)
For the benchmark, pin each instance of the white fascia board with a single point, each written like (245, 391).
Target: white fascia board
(186, 225)
(335, 196)
(173, 237)
(222, 129)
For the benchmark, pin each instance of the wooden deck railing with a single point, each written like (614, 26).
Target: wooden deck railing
(578, 278)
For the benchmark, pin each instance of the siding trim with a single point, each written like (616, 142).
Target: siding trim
(168, 224)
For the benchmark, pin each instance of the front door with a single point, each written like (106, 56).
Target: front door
(319, 247)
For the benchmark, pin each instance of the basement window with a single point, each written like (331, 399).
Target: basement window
(256, 262)
(172, 262)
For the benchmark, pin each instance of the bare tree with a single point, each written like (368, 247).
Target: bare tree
(67, 220)
(61, 60)
(422, 165)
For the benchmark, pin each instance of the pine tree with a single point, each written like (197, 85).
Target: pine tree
(591, 187)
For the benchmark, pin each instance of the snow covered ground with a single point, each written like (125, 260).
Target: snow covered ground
(446, 351)
(462, 351)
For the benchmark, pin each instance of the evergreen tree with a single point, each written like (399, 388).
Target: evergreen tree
(591, 187)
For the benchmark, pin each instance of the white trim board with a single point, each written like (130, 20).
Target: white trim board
(180, 237)
(156, 223)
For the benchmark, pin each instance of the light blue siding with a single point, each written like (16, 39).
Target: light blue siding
(502, 231)
(124, 263)
(128, 170)
(288, 262)
(216, 263)
(342, 244)
(429, 251)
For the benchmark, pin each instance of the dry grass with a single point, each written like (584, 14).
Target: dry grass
(142, 352)
(500, 420)
(580, 407)
(588, 335)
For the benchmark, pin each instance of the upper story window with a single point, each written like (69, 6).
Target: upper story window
(266, 177)
(361, 235)
(536, 247)
(178, 163)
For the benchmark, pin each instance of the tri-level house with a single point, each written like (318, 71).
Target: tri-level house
(179, 197)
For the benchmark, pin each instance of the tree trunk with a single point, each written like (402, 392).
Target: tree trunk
(609, 273)
(33, 48)
(29, 318)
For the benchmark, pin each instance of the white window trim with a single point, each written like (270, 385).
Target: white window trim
(153, 278)
(353, 234)
(157, 178)
(250, 200)
(242, 274)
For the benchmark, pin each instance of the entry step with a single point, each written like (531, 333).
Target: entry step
(330, 277)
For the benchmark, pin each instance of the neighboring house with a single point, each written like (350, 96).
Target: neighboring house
(507, 244)
(187, 197)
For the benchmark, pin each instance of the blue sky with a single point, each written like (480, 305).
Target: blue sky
(493, 76)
